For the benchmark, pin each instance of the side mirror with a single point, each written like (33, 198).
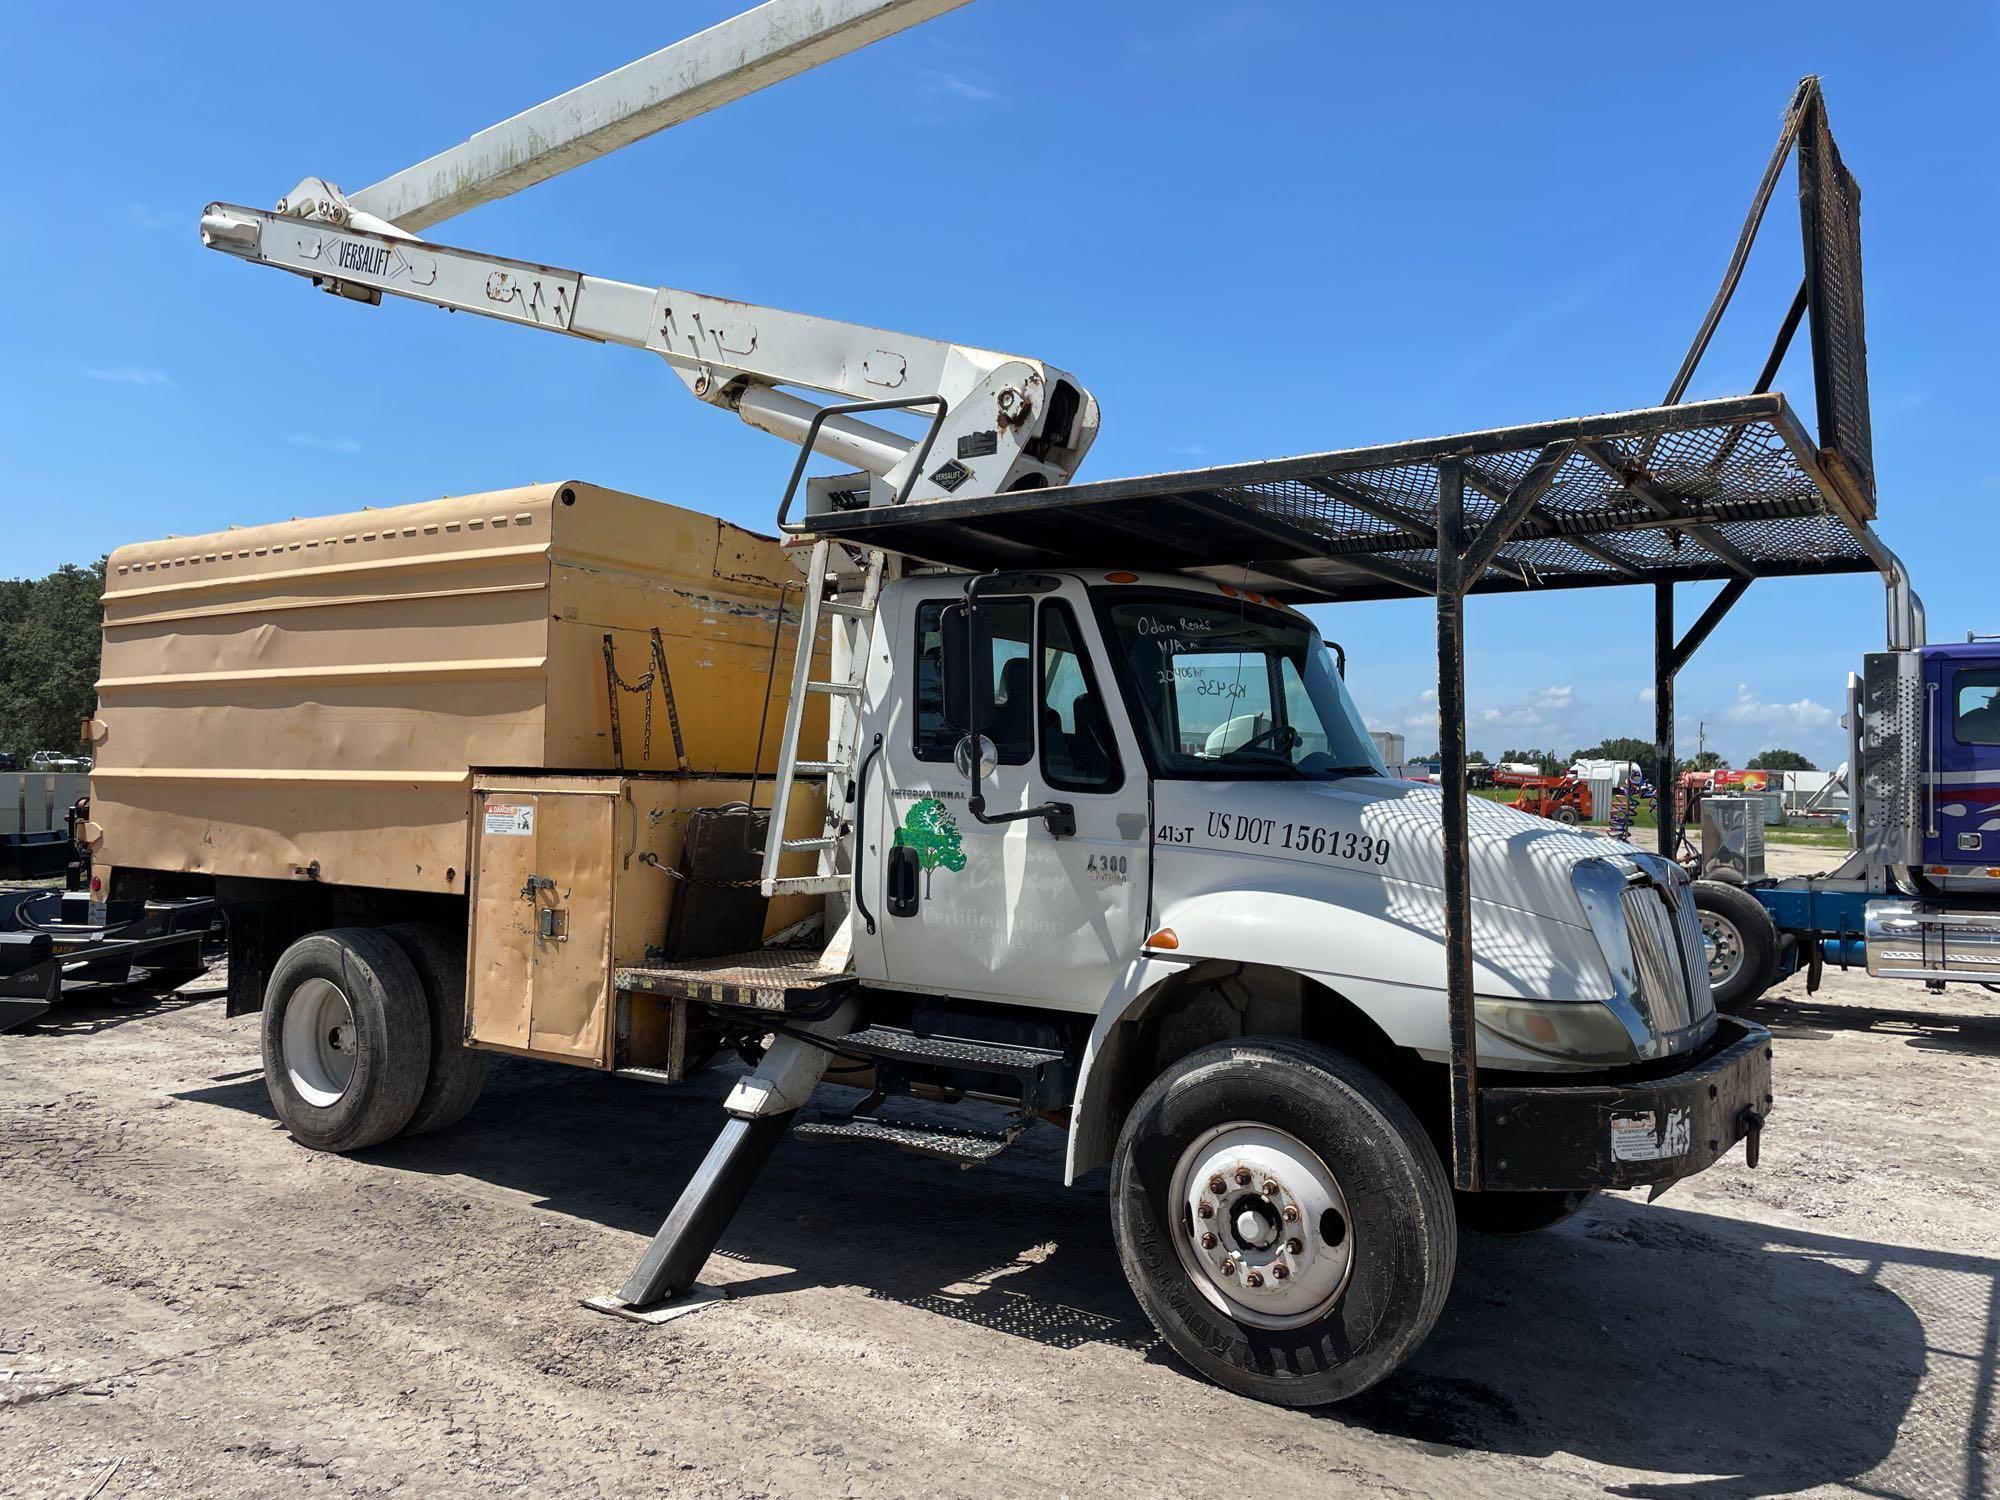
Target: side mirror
(966, 666)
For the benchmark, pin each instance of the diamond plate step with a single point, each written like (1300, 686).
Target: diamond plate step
(1002, 1059)
(944, 1142)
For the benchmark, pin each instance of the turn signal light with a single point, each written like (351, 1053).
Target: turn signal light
(1166, 937)
(1121, 577)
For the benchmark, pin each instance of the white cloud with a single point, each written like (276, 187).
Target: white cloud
(129, 375)
(956, 86)
(1648, 694)
(1801, 717)
(1544, 717)
(325, 444)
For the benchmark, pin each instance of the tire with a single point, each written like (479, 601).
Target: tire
(354, 1090)
(457, 1072)
(1569, 816)
(1741, 939)
(1518, 1213)
(1385, 1254)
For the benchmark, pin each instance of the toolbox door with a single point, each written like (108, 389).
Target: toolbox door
(540, 969)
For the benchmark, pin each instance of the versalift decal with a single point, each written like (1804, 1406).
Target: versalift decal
(353, 255)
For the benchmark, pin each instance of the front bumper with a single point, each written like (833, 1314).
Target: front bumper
(1656, 1130)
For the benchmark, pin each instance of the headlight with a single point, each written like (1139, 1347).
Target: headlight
(1571, 1031)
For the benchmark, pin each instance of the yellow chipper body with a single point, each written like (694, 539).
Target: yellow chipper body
(524, 698)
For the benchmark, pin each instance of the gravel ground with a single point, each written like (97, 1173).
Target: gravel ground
(194, 1304)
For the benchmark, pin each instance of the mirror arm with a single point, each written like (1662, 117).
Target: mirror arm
(1058, 817)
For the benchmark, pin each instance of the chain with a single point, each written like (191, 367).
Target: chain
(657, 672)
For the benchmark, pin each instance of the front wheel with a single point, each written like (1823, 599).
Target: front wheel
(1283, 1219)
(1740, 939)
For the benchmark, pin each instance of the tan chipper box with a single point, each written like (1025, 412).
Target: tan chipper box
(307, 700)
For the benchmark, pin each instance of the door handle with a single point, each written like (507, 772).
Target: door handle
(901, 882)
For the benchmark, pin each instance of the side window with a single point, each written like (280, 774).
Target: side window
(1078, 752)
(1012, 725)
(1976, 706)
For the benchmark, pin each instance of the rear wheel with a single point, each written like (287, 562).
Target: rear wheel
(1740, 939)
(1283, 1219)
(347, 1039)
(457, 1073)
(1569, 815)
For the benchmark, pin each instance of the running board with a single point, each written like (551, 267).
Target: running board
(968, 1148)
(1039, 1073)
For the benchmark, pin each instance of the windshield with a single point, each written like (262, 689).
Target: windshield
(1222, 687)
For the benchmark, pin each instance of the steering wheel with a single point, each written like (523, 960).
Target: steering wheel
(1291, 738)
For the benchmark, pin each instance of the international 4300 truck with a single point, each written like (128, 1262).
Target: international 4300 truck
(996, 790)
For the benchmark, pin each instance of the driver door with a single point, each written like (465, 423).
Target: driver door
(1008, 910)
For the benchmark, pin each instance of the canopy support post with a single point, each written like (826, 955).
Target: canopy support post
(1451, 585)
(1664, 667)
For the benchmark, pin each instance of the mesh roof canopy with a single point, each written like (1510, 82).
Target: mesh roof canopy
(1706, 490)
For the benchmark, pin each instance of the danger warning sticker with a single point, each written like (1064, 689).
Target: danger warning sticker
(1640, 1138)
(510, 819)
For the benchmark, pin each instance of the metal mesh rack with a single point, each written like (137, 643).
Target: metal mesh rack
(1722, 489)
(1728, 490)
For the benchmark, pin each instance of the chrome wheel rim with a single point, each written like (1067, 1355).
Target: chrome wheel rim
(1263, 1229)
(320, 1042)
(1724, 946)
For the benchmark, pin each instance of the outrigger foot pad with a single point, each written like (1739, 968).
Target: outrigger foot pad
(692, 1300)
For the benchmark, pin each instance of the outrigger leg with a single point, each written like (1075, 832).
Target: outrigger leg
(761, 1108)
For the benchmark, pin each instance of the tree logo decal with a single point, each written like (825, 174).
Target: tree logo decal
(932, 831)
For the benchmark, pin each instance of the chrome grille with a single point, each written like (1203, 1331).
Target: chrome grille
(1668, 953)
(1694, 952)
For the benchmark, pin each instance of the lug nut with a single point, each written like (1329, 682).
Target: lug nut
(1208, 1239)
(1280, 1271)
(1291, 1213)
(1216, 1185)
(1229, 1268)
(1270, 1187)
(1293, 1247)
(1205, 1209)
(1255, 1278)
(1243, 1177)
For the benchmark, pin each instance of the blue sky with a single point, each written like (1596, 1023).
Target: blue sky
(1251, 229)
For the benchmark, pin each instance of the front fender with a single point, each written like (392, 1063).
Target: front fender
(1386, 958)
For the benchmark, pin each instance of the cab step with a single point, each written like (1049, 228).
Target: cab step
(1037, 1071)
(895, 1044)
(968, 1148)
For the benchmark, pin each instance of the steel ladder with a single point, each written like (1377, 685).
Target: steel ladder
(843, 730)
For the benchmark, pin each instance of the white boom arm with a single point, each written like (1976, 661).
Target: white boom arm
(1006, 422)
(737, 57)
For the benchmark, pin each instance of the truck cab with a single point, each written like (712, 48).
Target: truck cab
(1180, 831)
(1962, 727)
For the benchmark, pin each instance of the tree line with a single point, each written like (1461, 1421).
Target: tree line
(49, 643)
(1642, 754)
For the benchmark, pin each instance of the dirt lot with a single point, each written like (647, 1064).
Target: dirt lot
(194, 1304)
